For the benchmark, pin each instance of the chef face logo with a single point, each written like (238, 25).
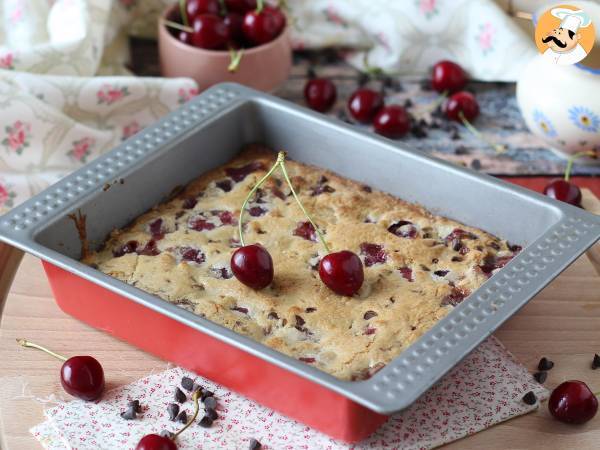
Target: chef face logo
(564, 34)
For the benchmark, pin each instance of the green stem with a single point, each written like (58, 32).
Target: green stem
(178, 26)
(260, 4)
(477, 133)
(26, 343)
(223, 8)
(281, 158)
(195, 397)
(236, 58)
(183, 13)
(250, 194)
(572, 160)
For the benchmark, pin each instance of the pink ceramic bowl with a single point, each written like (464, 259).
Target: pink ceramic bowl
(265, 67)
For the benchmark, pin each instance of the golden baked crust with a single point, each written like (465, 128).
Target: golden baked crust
(414, 271)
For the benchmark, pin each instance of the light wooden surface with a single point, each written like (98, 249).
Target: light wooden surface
(561, 323)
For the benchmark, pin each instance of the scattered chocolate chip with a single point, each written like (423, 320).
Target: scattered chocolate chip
(211, 413)
(129, 413)
(545, 364)
(455, 136)
(205, 422)
(205, 394)
(461, 150)
(135, 404)
(187, 383)
(476, 164)
(596, 362)
(179, 396)
(173, 410)
(254, 445)
(425, 85)
(362, 79)
(540, 376)
(182, 417)
(530, 398)
(369, 315)
(210, 402)
(408, 103)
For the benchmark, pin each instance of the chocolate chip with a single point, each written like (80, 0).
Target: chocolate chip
(456, 259)
(299, 321)
(369, 315)
(366, 188)
(254, 445)
(179, 396)
(187, 383)
(210, 403)
(425, 268)
(182, 417)
(530, 398)
(545, 364)
(408, 103)
(461, 150)
(540, 376)
(310, 309)
(441, 273)
(211, 413)
(198, 387)
(173, 410)
(129, 413)
(476, 164)
(596, 362)
(205, 394)
(205, 422)
(273, 315)
(135, 404)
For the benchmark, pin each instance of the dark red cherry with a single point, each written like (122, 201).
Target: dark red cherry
(342, 272)
(156, 442)
(252, 265)
(262, 27)
(573, 402)
(320, 94)
(233, 22)
(448, 77)
(392, 121)
(364, 103)
(185, 37)
(194, 8)
(464, 102)
(82, 377)
(240, 6)
(563, 190)
(210, 32)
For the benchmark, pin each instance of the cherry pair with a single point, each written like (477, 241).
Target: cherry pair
(252, 264)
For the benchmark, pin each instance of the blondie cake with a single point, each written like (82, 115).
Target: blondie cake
(417, 266)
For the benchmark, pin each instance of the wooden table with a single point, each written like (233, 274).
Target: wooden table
(562, 323)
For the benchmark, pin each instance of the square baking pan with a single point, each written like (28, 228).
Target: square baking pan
(209, 131)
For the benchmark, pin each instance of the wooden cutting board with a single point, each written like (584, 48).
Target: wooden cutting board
(561, 323)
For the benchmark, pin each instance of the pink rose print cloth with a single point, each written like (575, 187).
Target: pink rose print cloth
(485, 389)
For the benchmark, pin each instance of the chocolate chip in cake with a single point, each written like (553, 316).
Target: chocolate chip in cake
(182, 417)
(240, 309)
(366, 188)
(545, 364)
(435, 261)
(179, 396)
(299, 321)
(307, 359)
(173, 411)
(540, 376)
(187, 383)
(310, 309)
(441, 273)
(494, 245)
(254, 445)
(456, 259)
(530, 398)
(596, 362)
(369, 315)
(129, 413)
(135, 404)
(189, 203)
(224, 185)
(209, 412)
(210, 402)
(424, 268)
(205, 422)
(273, 315)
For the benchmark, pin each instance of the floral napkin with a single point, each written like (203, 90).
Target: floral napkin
(484, 389)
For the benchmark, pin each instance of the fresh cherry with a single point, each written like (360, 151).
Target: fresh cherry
(210, 32)
(448, 77)
(392, 121)
(252, 265)
(573, 402)
(462, 102)
(320, 94)
(364, 103)
(264, 26)
(563, 190)
(233, 22)
(342, 272)
(240, 6)
(156, 442)
(80, 376)
(194, 8)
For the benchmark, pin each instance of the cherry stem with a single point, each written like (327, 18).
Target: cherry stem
(497, 147)
(260, 4)
(250, 194)
(178, 26)
(26, 343)
(195, 397)
(236, 58)
(281, 159)
(374, 71)
(572, 160)
(183, 13)
(223, 7)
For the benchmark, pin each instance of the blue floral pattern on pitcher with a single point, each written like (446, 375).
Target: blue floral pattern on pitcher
(544, 124)
(584, 118)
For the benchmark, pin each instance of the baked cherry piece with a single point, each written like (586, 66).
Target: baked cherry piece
(156, 442)
(461, 102)
(80, 376)
(392, 121)
(320, 94)
(573, 402)
(252, 265)
(342, 272)
(448, 77)
(264, 26)
(210, 32)
(364, 103)
(194, 8)
(563, 190)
